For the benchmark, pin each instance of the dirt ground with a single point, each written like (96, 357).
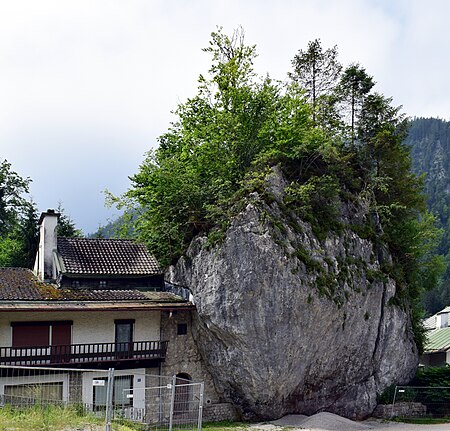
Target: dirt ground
(331, 422)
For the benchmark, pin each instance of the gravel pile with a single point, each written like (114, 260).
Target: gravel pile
(332, 422)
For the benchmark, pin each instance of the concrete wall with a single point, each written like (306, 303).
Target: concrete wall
(88, 327)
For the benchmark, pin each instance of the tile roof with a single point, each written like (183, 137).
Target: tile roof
(438, 340)
(20, 284)
(109, 257)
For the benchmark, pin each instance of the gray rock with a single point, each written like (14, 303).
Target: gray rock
(281, 333)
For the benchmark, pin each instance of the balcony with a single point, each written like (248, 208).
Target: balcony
(98, 355)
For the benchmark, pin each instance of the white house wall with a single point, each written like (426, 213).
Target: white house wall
(88, 327)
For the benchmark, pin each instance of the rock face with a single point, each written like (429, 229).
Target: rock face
(288, 324)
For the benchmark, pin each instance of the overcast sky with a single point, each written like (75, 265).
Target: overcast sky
(86, 87)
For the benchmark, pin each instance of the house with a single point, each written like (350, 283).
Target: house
(437, 347)
(95, 304)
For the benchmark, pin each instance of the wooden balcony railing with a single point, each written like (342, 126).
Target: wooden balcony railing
(83, 353)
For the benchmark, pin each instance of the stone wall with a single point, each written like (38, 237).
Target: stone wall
(75, 387)
(183, 357)
(402, 409)
(220, 412)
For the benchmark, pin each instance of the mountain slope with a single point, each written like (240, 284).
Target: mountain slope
(429, 139)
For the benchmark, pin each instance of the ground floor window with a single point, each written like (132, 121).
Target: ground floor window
(34, 393)
(123, 386)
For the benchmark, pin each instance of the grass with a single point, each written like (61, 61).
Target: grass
(52, 418)
(224, 426)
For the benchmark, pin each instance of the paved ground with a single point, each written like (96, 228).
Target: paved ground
(331, 422)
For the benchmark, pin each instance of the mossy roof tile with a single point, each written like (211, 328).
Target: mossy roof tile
(20, 284)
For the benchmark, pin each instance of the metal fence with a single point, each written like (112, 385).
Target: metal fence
(160, 402)
(421, 401)
(169, 403)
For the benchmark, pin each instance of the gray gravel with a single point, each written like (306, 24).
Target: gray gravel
(330, 422)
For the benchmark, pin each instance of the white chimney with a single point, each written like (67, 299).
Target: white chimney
(43, 266)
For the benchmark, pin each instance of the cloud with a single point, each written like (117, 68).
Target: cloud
(86, 87)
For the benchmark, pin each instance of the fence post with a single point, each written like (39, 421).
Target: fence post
(109, 399)
(393, 402)
(172, 401)
(200, 407)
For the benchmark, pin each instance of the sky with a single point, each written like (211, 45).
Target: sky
(87, 86)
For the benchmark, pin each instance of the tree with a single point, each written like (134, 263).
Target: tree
(18, 220)
(317, 72)
(66, 226)
(12, 202)
(355, 84)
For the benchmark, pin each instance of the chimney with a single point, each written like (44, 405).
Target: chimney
(43, 266)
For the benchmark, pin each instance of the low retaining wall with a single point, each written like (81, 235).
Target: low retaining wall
(401, 409)
(220, 412)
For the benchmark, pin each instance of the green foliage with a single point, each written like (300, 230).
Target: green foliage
(238, 126)
(434, 399)
(317, 72)
(66, 226)
(18, 220)
(53, 417)
(316, 201)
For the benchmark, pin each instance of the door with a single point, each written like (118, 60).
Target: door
(183, 396)
(124, 338)
(61, 342)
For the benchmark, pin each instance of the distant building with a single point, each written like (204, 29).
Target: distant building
(437, 347)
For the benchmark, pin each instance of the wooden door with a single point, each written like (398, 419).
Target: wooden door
(61, 342)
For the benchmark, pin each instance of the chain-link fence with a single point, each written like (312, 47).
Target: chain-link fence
(160, 402)
(421, 401)
(165, 403)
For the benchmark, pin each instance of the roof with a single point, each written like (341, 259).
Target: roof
(21, 289)
(431, 322)
(106, 257)
(438, 340)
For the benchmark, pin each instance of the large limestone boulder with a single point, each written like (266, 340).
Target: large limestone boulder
(289, 324)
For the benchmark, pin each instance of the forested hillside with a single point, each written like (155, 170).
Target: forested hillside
(429, 139)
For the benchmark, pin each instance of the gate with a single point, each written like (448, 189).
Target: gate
(172, 404)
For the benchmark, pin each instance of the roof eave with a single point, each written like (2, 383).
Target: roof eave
(66, 306)
(108, 276)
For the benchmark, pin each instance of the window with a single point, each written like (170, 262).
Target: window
(123, 388)
(32, 393)
(31, 334)
(103, 283)
(182, 329)
(75, 284)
